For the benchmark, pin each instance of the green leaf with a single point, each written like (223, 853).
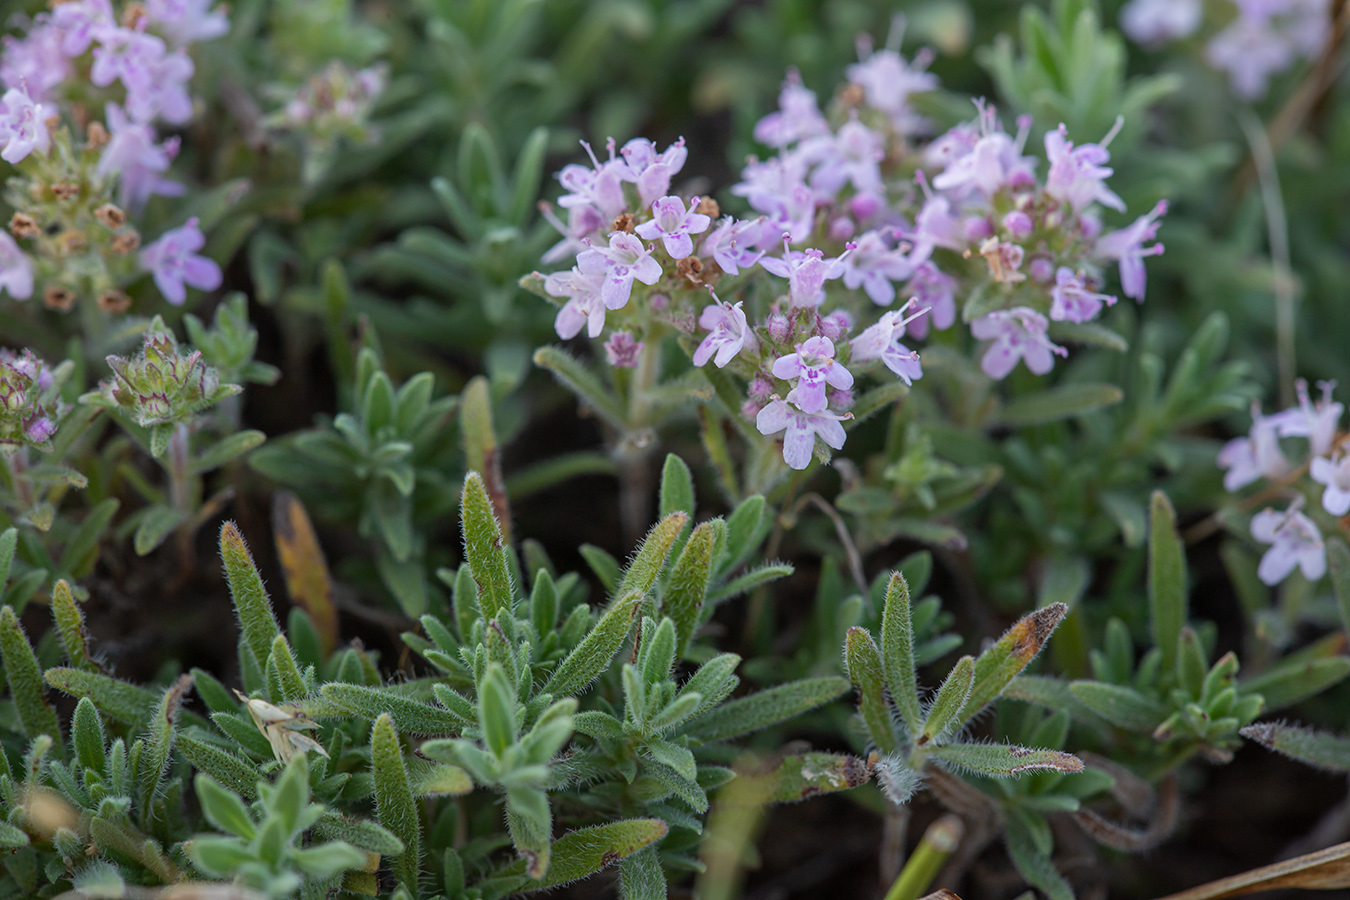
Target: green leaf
(530, 822)
(585, 851)
(769, 707)
(359, 833)
(1006, 760)
(223, 808)
(750, 580)
(1338, 555)
(227, 768)
(743, 528)
(251, 604)
(484, 549)
(10, 836)
(439, 780)
(1064, 401)
(289, 680)
(394, 803)
(1119, 705)
(592, 656)
(227, 449)
(70, 626)
(1166, 579)
(156, 523)
(650, 558)
(1034, 864)
(804, 775)
(677, 487)
(159, 743)
(641, 876)
(80, 547)
(897, 652)
(1009, 655)
(327, 860)
(603, 564)
(124, 702)
(9, 541)
(25, 680)
(1291, 681)
(687, 588)
(497, 710)
(863, 661)
(574, 376)
(412, 716)
(86, 733)
(951, 699)
(1316, 748)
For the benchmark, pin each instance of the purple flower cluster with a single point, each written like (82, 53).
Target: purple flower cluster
(852, 212)
(1265, 38)
(142, 53)
(1296, 541)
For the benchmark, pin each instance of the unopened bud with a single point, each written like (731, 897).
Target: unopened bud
(111, 215)
(73, 242)
(708, 207)
(23, 226)
(64, 190)
(690, 269)
(624, 222)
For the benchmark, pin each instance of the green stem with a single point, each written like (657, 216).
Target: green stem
(939, 842)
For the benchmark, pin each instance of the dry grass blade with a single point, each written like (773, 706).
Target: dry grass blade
(302, 561)
(1324, 870)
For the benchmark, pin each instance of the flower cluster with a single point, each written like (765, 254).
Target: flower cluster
(854, 211)
(1265, 37)
(1296, 541)
(29, 406)
(73, 202)
(163, 384)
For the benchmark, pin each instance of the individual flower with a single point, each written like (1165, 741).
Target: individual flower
(583, 306)
(1016, 334)
(23, 126)
(852, 156)
(1315, 421)
(138, 160)
(888, 83)
(174, 262)
(674, 224)
(1071, 301)
(16, 270)
(732, 244)
(1127, 246)
(622, 350)
(1156, 22)
(128, 55)
(806, 272)
(994, 162)
(800, 429)
(777, 188)
(814, 366)
(185, 22)
(583, 222)
(621, 263)
(1255, 456)
(1295, 541)
(1335, 474)
(600, 186)
(165, 94)
(934, 290)
(1077, 174)
(79, 23)
(875, 266)
(727, 329)
(882, 341)
(649, 170)
(34, 63)
(798, 116)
